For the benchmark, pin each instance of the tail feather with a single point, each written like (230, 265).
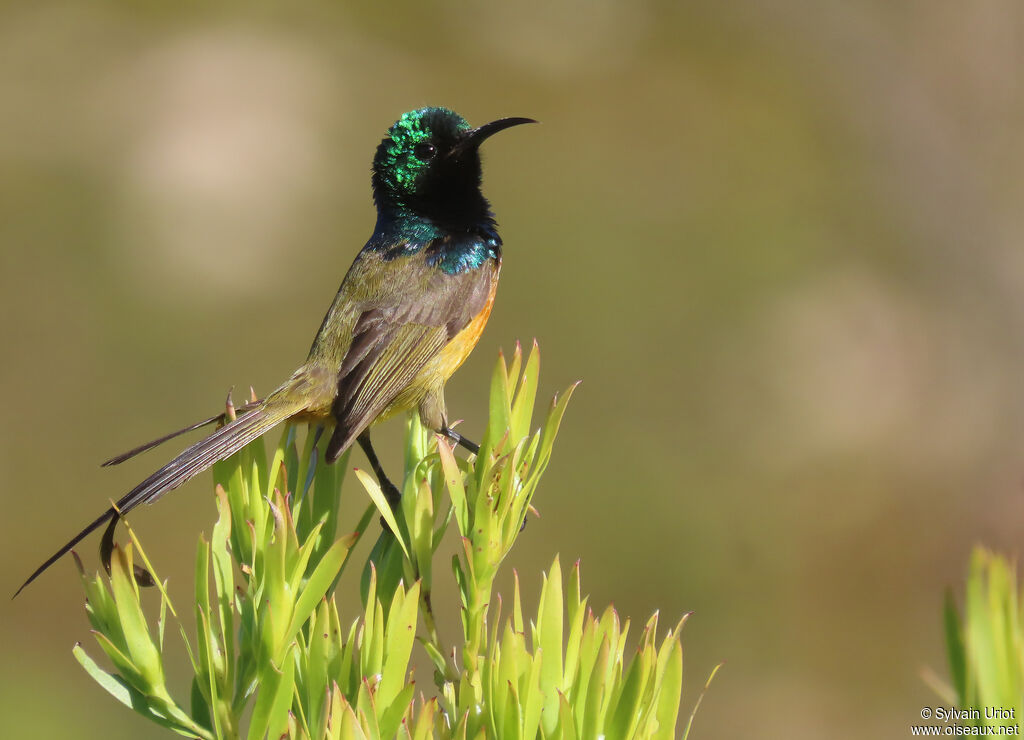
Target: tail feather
(219, 418)
(223, 443)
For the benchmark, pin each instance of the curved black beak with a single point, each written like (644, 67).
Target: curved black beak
(475, 136)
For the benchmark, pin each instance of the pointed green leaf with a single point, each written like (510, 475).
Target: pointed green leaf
(670, 692)
(116, 686)
(549, 639)
(526, 395)
(551, 425)
(625, 709)
(566, 724)
(512, 372)
(517, 605)
(577, 611)
(274, 698)
(393, 713)
(377, 496)
(401, 634)
(279, 715)
(224, 582)
(130, 697)
(511, 721)
(139, 644)
(533, 698)
(314, 677)
(318, 584)
(422, 532)
(424, 726)
(594, 704)
(456, 490)
(499, 409)
(349, 724)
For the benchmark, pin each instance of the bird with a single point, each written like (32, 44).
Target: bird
(409, 311)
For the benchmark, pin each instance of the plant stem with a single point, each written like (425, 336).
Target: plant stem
(450, 674)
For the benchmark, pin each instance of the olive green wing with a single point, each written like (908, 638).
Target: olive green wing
(394, 340)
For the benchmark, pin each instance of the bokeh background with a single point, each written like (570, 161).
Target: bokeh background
(779, 242)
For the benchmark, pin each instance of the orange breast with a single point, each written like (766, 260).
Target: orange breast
(457, 350)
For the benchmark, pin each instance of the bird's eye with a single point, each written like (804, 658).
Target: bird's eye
(424, 152)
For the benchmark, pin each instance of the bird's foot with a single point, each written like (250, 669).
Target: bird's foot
(458, 439)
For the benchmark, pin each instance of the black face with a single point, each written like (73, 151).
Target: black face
(430, 165)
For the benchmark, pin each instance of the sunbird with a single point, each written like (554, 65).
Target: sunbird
(409, 311)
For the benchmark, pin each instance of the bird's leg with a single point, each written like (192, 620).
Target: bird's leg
(218, 419)
(460, 440)
(391, 492)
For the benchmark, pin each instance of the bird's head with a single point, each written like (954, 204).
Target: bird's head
(429, 165)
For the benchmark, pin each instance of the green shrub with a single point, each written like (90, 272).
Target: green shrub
(986, 645)
(271, 657)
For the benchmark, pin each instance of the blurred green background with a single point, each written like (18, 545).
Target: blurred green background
(779, 242)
